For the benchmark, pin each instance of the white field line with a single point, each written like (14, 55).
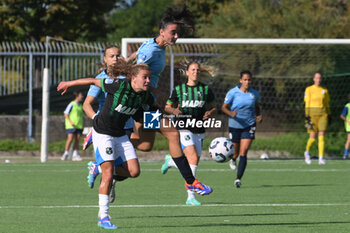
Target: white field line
(167, 206)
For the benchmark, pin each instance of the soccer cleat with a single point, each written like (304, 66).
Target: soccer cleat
(106, 223)
(321, 161)
(76, 158)
(64, 157)
(93, 173)
(238, 183)
(87, 140)
(112, 191)
(193, 201)
(233, 165)
(165, 166)
(199, 188)
(346, 157)
(307, 157)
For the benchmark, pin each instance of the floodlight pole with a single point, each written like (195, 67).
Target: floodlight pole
(45, 106)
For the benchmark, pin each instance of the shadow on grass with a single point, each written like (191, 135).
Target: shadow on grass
(292, 224)
(293, 185)
(209, 216)
(269, 224)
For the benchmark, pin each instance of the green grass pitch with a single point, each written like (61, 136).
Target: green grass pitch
(276, 196)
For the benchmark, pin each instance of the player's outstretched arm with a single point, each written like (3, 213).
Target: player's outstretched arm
(63, 86)
(131, 58)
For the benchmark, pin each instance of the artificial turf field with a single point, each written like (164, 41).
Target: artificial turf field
(276, 196)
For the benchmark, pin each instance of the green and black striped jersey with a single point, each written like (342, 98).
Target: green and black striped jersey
(122, 102)
(193, 101)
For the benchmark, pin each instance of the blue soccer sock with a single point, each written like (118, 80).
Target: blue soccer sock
(346, 152)
(241, 166)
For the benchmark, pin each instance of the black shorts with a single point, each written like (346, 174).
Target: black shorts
(74, 131)
(247, 133)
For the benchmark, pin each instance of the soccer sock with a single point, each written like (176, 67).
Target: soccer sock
(241, 166)
(320, 146)
(103, 203)
(75, 152)
(184, 169)
(66, 152)
(194, 171)
(171, 163)
(309, 143)
(346, 152)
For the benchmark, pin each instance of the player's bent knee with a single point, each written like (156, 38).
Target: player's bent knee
(173, 136)
(144, 146)
(135, 173)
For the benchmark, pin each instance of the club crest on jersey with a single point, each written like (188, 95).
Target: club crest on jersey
(192, 103)
(251, 95)
(187, 137)
(110, 80)
(125, 110)
(199, 94)
(109, 150)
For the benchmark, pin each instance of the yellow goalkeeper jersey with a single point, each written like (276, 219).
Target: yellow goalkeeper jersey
(316, 101)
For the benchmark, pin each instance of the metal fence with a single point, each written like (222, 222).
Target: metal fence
(22, 63)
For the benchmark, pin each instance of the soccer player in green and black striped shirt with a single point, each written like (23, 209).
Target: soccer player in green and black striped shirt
(192, 103)
(125, 98)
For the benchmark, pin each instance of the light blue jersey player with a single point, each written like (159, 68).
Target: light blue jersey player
(152, 53)
(111, 55)
(242, 107)
(244, 104)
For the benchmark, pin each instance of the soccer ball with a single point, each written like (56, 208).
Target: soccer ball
(264, 156)
(221, 149)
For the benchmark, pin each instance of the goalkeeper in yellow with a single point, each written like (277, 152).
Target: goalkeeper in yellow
(317, 114)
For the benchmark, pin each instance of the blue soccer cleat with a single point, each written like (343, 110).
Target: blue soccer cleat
(199, 188)
(87, 140)
(93, 173)
(165, 166)
(106, 223)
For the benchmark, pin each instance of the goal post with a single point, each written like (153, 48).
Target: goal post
(64, 60)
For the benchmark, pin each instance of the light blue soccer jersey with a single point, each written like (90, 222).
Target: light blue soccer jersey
(244, 103)
(97, 93)
(153, 55)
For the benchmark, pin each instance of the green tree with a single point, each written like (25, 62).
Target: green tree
(68, 19)
(141, 20)
(281, 19)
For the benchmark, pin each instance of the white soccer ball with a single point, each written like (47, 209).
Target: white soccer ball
(221, 149)
(264, 156)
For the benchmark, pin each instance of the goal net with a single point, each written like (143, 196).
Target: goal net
(282, 69)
